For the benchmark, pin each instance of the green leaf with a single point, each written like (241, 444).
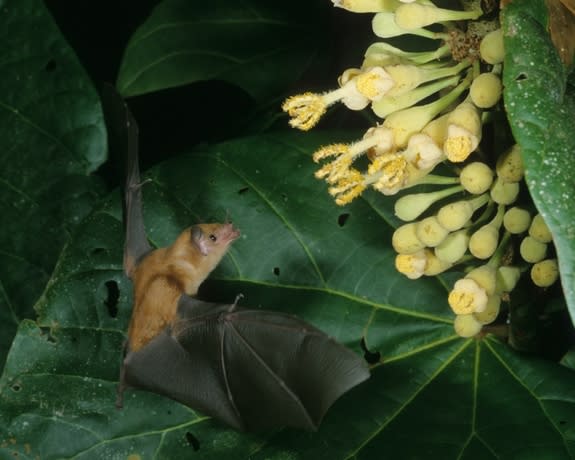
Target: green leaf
(251, 44)
(52, 137)
(541, 111)
(433, 395)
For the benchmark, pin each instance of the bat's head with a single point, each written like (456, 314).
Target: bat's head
(213, 239)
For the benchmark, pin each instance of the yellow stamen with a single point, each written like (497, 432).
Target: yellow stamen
(305, 109)
(333, 171)
(330, 151)
(349, 186)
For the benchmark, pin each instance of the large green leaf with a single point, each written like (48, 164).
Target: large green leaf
(252, 44)
(52, 136)
(433, 395)
(541, 111)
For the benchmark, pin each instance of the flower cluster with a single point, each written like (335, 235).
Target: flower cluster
(433, 106)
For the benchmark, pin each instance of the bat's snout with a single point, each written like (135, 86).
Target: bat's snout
(229, 232)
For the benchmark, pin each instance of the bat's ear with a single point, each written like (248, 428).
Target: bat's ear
(197, 237)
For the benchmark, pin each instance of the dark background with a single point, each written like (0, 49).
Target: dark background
(169, 120)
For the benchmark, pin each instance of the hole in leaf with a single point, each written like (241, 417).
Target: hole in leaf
(521, 77)
(16, 387)
(276, 271)
(50, 66)
(562, 422)
(193, 441)
(46, 332)
(243, 190)
(371, 357)
(97, 251)
(342, 219)
(112, 299)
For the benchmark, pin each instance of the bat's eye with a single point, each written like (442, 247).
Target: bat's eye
(213, 237)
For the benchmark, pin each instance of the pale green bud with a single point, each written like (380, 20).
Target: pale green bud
(484, 241)
(516, 220)
(405, 241)
(486, 277)
(545, 273)
(531, 250)
(510, 165)
(454, 216)
(434, 266)
(504, 192)
(491, 311)
(476, 177)
(466, 326)
(384, 26)
(485, 90)
(491, 47)
(507, 278)
(430, 232)
(453, 247)
(539, 230)
(410, 207)
(385, 50)
(367, 6)
(414, 15)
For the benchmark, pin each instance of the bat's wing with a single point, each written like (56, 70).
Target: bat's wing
(283, 372)
(123, 134)
(251, 369)
(187, 375)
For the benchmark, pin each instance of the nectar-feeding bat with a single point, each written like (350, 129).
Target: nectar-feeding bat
(248, 368)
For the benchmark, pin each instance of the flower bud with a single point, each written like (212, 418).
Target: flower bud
(485, 276)
(410, 207)
(453, 247)
(484, 241)
(539, 230)
(491, 311)
(545, 273)
(405, 241)
(531, 250)
(367, 6)
(504, 192)
(434, 265)
(516, 220)
(510, 165)
(485, 90)
(466, 326)
(507, 278)
(384, 26)
(454, 216)
(414, 15)
(430, 232)
(476, 177)
(491, 47)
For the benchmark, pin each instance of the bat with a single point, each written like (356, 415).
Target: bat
(248, 368)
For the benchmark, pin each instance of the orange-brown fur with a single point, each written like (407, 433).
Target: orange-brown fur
(167, 273)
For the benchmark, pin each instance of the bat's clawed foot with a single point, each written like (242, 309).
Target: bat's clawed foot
(235, 304)
(139, 185)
